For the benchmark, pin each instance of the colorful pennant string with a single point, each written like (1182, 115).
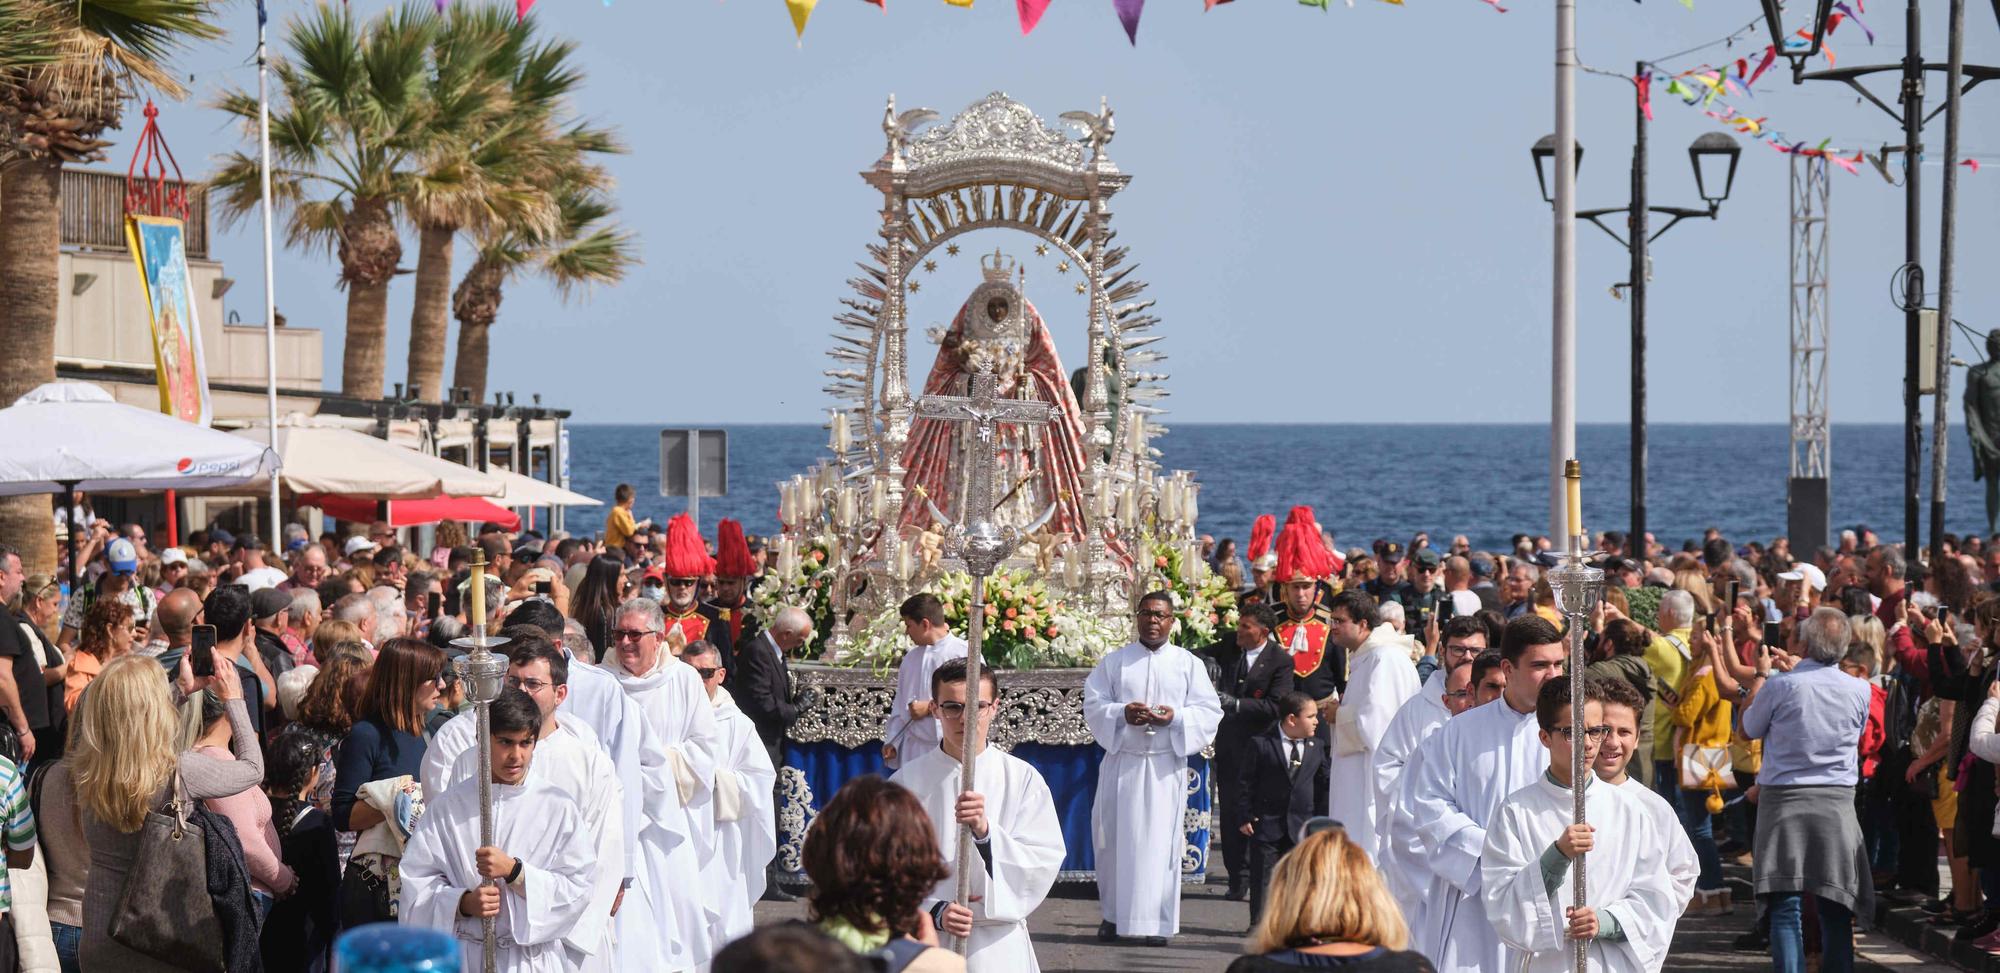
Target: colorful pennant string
(520, 8)
(1128, 15)
(1031, 14)
(801, 11)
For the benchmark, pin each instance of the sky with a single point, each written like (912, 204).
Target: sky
(1337, 211)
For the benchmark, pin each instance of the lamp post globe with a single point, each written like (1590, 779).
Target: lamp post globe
(1543, 152)
(1713, 156)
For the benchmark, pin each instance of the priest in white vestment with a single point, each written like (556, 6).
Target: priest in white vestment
(1018, 842)
(746, 825)
(535, 878)
(1151, 706)
(671, 920)
(1380, 679)
(569, 757)
(1527, 870)
(913, 727)
(1623, 708)
(1398, 855)
(1469, 766)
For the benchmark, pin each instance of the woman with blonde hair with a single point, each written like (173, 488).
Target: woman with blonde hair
(125, 757)
(1327, 907)
(332, 633)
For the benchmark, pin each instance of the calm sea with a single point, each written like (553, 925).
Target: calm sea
(1484, 481)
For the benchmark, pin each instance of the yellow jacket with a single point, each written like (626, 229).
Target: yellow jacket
(1702, 711)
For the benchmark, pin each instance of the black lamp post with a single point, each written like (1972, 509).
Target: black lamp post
(1911, 276)
(1713, 157)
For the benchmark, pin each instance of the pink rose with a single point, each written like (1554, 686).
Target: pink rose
(1007, 625)
(1051, 631)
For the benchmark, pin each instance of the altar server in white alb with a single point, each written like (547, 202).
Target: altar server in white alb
(913, 725)
(1016, 836)
(1151, 707)
(1398, 855)
(1455, 786)
(1623, 708)
(1380, 679)
(568, 756)
(668, 911)
(746, 827)
(535, 878)
(1630, 907)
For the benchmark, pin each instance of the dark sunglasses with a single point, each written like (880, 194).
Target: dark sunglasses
(706, 672)
(681, 582)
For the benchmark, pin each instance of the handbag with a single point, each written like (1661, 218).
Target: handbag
(165, 911)
(1707, 769)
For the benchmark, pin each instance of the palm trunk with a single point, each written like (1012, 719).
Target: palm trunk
(369, 252)
(30, 238)
(477, 304)
(430, 318)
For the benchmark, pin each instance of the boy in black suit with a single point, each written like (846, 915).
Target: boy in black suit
(1281, 782)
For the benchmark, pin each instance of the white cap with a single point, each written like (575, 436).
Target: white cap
(1807, 571)
(358, 543)
(173, 555)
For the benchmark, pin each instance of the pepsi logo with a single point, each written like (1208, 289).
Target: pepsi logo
(184, 465)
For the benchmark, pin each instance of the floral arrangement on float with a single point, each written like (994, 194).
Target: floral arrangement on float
(803, 577)
(1026, 627)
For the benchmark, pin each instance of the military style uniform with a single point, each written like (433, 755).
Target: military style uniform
(1319, 667)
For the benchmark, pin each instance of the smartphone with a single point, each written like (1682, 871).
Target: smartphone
(545, 588)
(433, 604)
(201, 652)
(1773, 633)
(1735, 590)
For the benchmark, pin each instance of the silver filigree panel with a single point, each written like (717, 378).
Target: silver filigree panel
(1038, 706)
(996, 128)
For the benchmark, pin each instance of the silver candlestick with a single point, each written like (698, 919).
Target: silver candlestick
(1577, 586)
(483, 674)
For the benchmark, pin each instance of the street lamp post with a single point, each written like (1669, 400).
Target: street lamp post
(1911, 275)
(1713, 156)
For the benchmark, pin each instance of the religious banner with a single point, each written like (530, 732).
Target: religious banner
(159, 248)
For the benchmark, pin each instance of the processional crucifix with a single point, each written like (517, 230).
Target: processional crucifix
(982, 544)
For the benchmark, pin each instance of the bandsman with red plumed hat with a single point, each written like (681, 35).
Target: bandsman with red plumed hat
(1263, 564)
(1305, 624)
(734, 569)
(685, 564)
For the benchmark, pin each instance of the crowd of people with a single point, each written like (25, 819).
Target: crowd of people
(1390, 728)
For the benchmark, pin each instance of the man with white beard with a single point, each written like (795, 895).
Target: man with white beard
(568, 756)
(534, 879)
(746, 826)
(1017, 838)
(913, 727)
(671, 922)
(1380, 679)
(1151, 707)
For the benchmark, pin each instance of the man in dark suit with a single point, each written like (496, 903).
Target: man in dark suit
(765, 692)
(1281, 782)
(1255, 671)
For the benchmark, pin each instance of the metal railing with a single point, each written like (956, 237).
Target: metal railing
(93, 212)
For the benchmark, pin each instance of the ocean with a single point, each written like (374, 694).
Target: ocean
(1364, 482)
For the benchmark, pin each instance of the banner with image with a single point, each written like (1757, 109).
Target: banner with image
(159, 249)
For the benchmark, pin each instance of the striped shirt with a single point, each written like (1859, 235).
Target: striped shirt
(19, 823)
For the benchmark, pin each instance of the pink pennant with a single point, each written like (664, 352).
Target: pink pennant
(1851, 165)
(1208, 5)
(1644, 82)
(1972, 164)
(884, 4)
(441, 4)
(521, 9)
(1128, 14)
(1031, 14)
(1770, 54)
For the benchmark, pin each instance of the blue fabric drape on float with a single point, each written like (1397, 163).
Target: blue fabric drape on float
(814, 771)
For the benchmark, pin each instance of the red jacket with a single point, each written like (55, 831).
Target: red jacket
(1875, 732)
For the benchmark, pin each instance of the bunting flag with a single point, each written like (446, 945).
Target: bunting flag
(955, 3)
(1031, 14)
(520, 9)
(1321, 4)
(1128, 14)
(1208, 5)
(801, 11)
(1849, 12)
(1644, 82)
(883, 4)
(1770, 54)
(1972, 164)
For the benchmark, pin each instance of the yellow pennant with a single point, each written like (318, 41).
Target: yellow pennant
(960, 3)
(801, 11)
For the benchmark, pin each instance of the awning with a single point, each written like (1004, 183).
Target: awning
(412, 513)
(323, 458)
(526, 491)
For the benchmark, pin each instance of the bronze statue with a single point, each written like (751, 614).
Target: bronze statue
(1982, 424)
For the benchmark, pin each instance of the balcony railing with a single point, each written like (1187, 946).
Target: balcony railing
(93, 212)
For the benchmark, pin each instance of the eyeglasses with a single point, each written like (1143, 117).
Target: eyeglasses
(956, 711)
(1156, 615)
(706, 672)
(681, 582)
(1464, 649)
(528, 685)
(630, 634)
(1592, 732)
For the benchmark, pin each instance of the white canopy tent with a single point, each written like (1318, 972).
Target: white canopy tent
(526, 491)
(323, 457)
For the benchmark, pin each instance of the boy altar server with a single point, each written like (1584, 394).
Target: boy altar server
(1623, 709)
(1526, 869)
(1015, 832)
(913, 725)
(1151, 707)
(535, 878)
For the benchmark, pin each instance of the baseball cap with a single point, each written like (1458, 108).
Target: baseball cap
(1482, 564)
(1425, 557)
(266, 602)
(1392, 552)
(1807, 571)
(655, 573)
(249, 542)
(173, 555)
(357, 544)
(220, 536)
(123, 558)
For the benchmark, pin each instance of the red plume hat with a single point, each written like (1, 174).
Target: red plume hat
(687, 557)
(1302, 555)
(1260, 536)
(732, 553)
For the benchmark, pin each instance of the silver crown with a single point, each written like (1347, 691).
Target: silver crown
(998, 268)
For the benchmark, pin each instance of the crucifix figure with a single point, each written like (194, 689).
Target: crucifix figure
(982, 544)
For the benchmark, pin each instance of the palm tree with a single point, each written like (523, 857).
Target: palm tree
(51, 113)
(583, 250)
(490, 92)
(346, 146)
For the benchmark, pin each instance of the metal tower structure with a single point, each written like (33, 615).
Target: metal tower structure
(1807, 492)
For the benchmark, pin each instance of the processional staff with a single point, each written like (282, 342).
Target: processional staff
(1577, 587)
(982, 544)
(482, 674)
